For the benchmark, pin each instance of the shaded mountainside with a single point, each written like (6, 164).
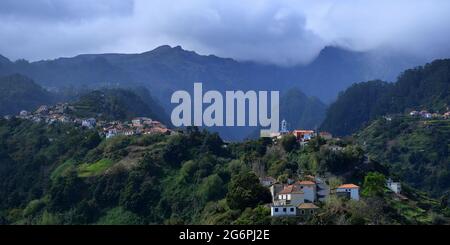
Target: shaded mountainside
(421, 88)
(301, 111)
(76, 177)
(416, 150)
(119, 104)
(21, 93)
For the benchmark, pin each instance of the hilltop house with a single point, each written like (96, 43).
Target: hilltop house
(308, 188)
(396, 187)
(303, 135)
(111, 133)
(24, 113)
(298, 198)
(141, 121)
(447, 115)
(89, 123)
(350, 191)
(43, 109)
(414, 113)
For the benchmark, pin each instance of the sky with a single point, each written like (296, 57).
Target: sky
(283, 32)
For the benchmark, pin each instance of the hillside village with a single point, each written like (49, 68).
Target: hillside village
(63, 113)
(303, 197)
(428, 115)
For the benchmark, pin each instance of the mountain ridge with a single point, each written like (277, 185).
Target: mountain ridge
(150, 67)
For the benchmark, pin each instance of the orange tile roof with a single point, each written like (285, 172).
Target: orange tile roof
(291, 189)
(305, 182)
(303, 131)
(348, 186)
(306, 205)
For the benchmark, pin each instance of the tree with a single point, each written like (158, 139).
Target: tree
(289, 142)
(374, 184)
(245, 191)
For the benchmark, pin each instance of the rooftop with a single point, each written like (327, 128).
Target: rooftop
(348, 186)
(306, 205)
(291, 189)
(305, 182)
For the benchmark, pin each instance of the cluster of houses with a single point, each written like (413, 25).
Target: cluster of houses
(303, 136)
(47, 114)
(299, 198)
(428, 115)
(60, 113)
(138, 126)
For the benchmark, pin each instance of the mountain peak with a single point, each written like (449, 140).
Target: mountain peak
(166, 48)
(333, 52)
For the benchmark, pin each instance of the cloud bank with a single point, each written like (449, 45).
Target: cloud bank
(285, 32)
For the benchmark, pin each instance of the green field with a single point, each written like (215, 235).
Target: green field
(94, 169)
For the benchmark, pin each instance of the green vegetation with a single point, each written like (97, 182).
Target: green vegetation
(413, 149)
(94, 169)
(421, 88)
(55, 174)
(118, 104)
(374, 184)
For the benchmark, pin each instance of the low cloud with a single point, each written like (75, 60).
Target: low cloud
(285, 32)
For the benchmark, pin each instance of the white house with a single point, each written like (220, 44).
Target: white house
(348, 190)
(283, 210)
(89, 123)
(24, 113)
(396, 187)
(308, 188)
(414, 113)
(111, 133)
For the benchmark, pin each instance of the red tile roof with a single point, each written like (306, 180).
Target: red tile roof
(305, 182)
(291, 189)
(348, 186)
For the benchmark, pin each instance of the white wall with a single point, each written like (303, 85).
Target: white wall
(354, 194)
(283, 211)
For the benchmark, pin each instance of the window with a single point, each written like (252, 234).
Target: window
(292, 209)
(284, 209)
(276, 210)
(303, 211)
